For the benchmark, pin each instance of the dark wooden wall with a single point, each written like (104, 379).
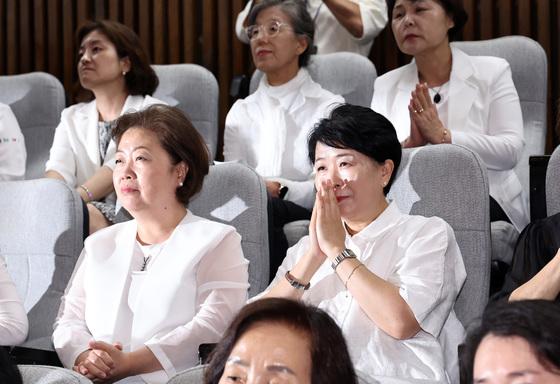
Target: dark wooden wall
(37, 35)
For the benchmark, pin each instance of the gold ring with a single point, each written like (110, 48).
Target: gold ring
(421, 110)
(415, 111)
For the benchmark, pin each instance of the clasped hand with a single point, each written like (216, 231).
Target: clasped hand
(425, 125)
(103, 362)
(326, 230)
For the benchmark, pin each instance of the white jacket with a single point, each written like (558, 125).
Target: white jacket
(188, 295)
(484, 115)
(75, 149)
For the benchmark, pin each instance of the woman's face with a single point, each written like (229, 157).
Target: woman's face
(99, 64)
(144, 176)
(269, 353)
(357, 178)
(509, 360)
(273, 54)
(420, 26)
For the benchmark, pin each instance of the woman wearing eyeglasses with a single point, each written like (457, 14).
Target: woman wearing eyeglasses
(268, 130)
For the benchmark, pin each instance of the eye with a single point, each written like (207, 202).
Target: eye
(273, 28)
(397, 15)
(234, 379)
(140, 158)
(252, 31)
(96, 49)
(118, 161)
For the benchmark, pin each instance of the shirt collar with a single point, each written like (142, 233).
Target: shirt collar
(384, 222)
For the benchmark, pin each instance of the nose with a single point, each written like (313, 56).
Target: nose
(335, 178)
(85, 56)
(408, 20)
(127, 173)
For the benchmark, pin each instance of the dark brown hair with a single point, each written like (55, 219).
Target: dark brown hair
(330, 360)
(453, 9)
(141, 79)
(178, 137)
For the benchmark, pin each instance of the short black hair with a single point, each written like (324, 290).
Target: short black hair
(178, 137)
(300, 20)
(330, 360)
(536, 321)
(361, 129)
(453, 8)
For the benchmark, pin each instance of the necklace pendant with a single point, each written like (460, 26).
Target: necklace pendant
(437, 98)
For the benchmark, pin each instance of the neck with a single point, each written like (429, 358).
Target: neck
(355, 225)
(282, 76)
(434, 67)
(155, 228)
(110, 101)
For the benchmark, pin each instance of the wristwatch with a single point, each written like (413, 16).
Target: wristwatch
(345, 254)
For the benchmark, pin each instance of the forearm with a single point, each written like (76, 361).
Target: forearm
(379, 299)
(99, 185)
(544, 285)
(348, 15)
(142, 361)
(303, 271)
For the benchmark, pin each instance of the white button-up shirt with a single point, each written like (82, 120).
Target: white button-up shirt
(421, 257)
(13, 319)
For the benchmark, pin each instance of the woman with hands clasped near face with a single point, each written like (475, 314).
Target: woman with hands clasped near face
(146, 293)
(447, 96)
(389, 279)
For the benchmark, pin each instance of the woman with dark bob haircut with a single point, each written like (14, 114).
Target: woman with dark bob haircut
(268, 129)
(146, 293)
(447, 96)
(515, 342)
(284, 340)
(388, 279)
(115, 72)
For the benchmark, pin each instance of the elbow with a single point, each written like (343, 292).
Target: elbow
(356, 28)
(403, 330)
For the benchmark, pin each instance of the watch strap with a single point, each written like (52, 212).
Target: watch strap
(345, 254)
(295, 282)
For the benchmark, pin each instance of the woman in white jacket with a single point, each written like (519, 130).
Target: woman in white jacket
(115, 72)
(147, 292)
(446, 96)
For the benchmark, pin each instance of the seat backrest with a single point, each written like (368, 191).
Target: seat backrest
(37, 99)
(234, 194)
(41, 237)
(194, 90)
(450, 181)
(528, 63)
(553, 183)
(343, 73)
(193, 375)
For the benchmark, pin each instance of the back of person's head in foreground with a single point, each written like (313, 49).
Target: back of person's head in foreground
(360, 129)
(160, 129)
(283, 340)
(516, 342)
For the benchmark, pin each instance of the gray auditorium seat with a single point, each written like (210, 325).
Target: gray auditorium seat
(194, 90)
(37, 99)
(41, 232)
(450, 181)
(234, 194)
(553, 183)
(44, 374)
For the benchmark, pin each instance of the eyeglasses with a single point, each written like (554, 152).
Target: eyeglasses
(270, 29)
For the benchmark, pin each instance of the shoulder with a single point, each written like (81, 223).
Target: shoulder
(416, 226)
(76, 109)
(108, 233)
(389, 79)
(486, 68)
(149, 100)
(208, 229)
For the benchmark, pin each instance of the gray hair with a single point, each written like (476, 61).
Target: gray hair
(300, 21)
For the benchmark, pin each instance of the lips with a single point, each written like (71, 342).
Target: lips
(410, 36)
(262, 52)
(341, 198)
(128, 189)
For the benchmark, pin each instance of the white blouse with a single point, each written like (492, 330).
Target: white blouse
(421, 257)
(187, 296)
(13, 318)
(268, 131)
(12, 146)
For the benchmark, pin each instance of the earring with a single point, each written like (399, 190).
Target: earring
(181, 184)
(384, 184)
(124, 73)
